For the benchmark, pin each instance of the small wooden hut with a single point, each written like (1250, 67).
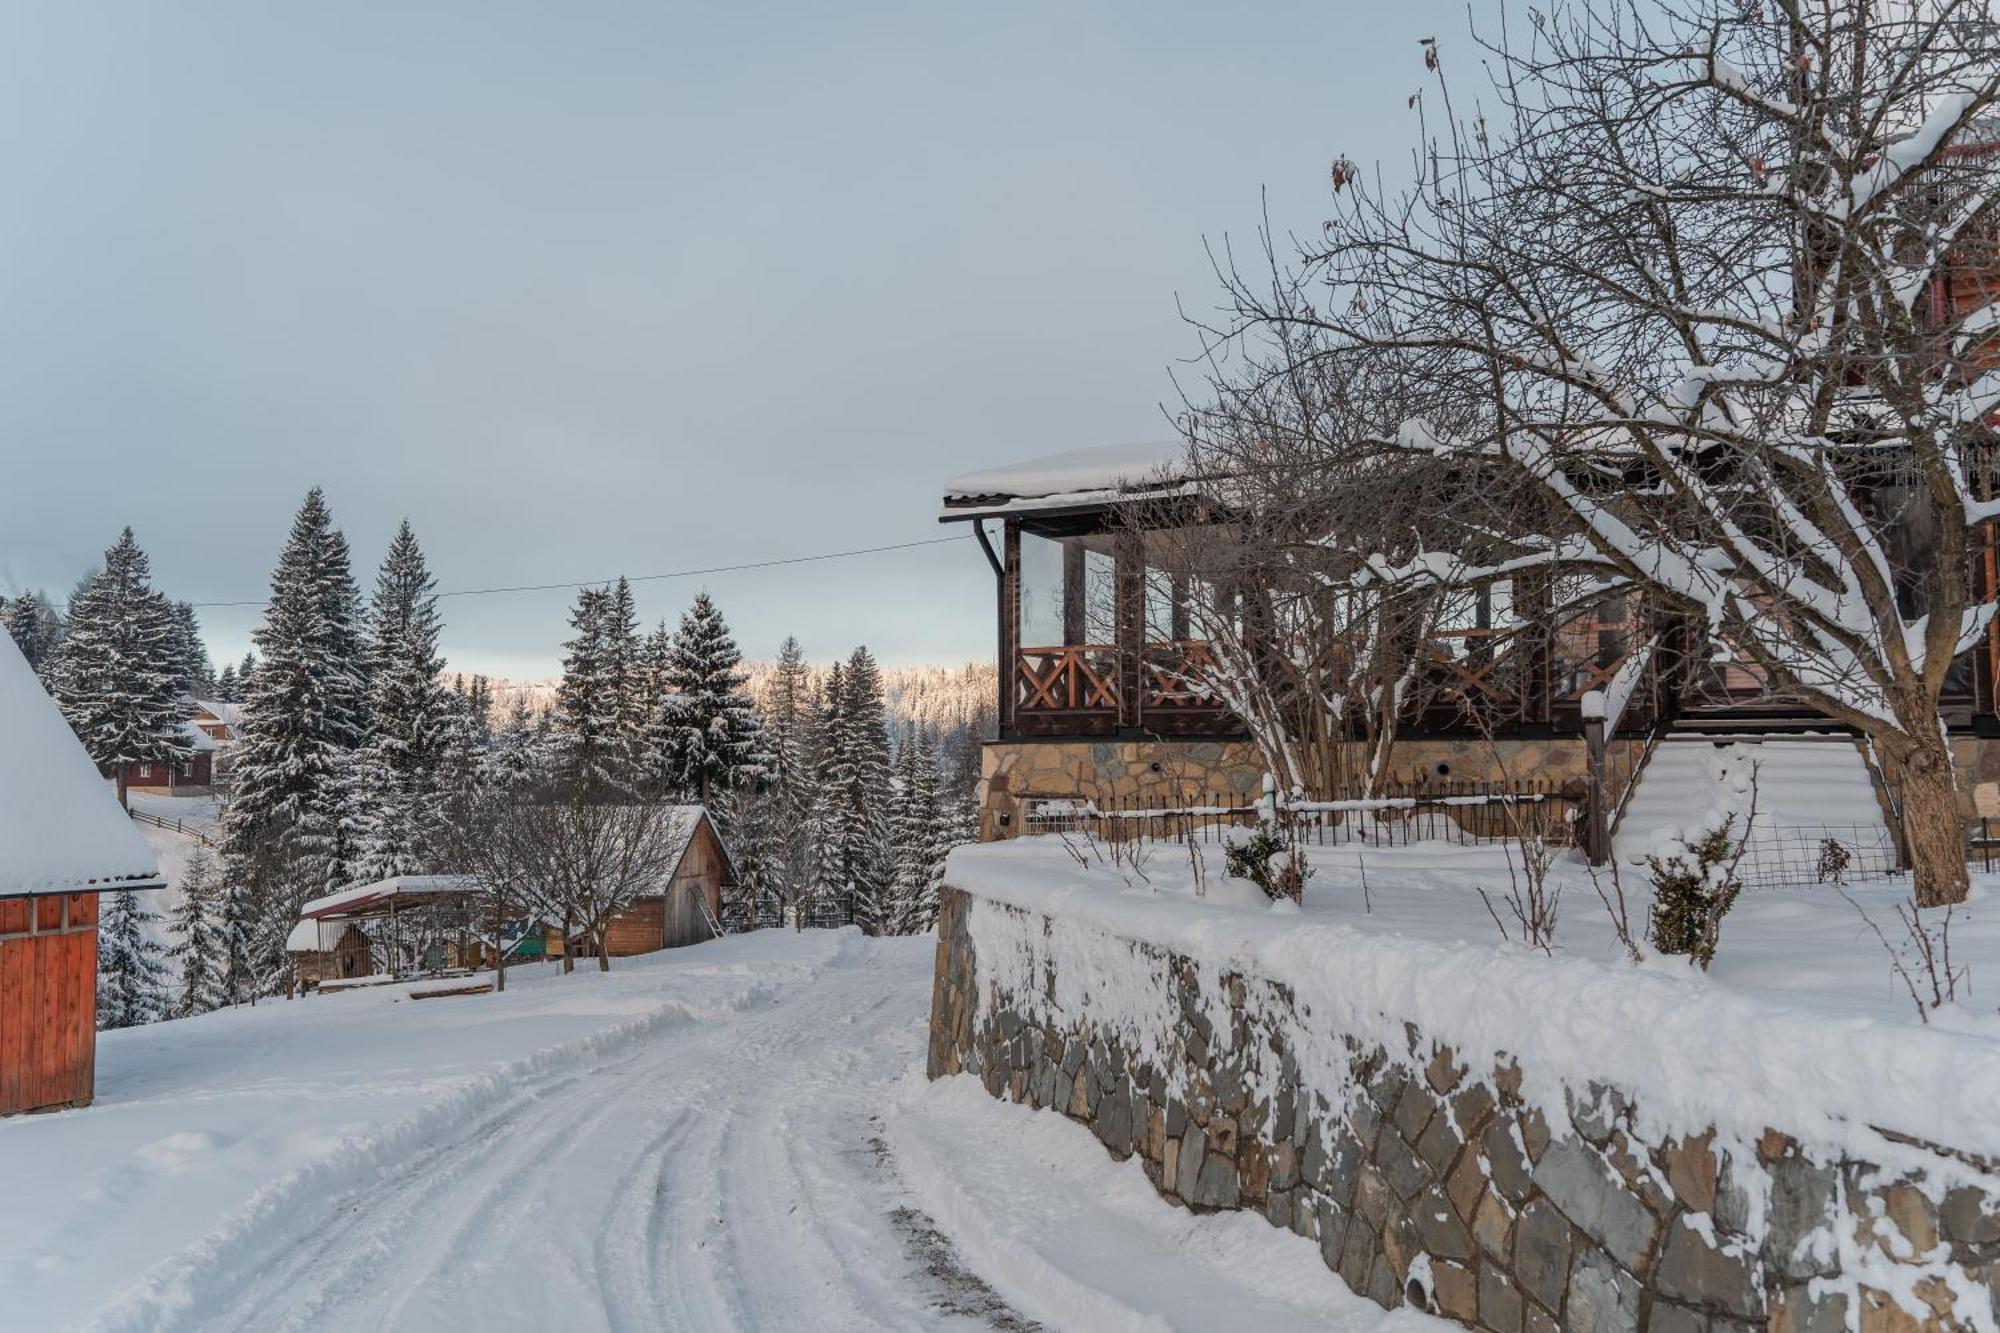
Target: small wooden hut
(63, 841)
(329, 944)
(688, 904)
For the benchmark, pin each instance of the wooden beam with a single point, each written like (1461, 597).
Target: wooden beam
(1131, 624)
(1010, 621)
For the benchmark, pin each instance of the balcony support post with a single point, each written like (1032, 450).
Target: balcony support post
(1010, 623)
(1131, 626)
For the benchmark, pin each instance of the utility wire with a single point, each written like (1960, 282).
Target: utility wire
(652, 578)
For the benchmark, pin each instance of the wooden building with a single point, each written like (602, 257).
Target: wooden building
(63, 841)
(408, 917)
(689, 903)
(192, 776)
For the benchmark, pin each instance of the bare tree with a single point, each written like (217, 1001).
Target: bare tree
(1676, 305)
(569, 851)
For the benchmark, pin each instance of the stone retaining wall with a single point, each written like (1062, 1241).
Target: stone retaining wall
(1426, 1182)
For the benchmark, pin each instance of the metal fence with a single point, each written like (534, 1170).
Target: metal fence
(767, 911)
(1459, 812)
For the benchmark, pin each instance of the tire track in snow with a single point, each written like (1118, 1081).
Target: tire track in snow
(712, 1171)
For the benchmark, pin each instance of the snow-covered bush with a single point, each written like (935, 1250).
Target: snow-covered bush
(1695, 883)
(1270, 860)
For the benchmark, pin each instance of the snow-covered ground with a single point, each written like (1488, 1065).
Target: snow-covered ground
(733, 1136)
(1801, 1023)
(1820, 784)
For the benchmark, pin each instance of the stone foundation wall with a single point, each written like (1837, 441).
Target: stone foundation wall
(1013, 773)
(1425, 1182)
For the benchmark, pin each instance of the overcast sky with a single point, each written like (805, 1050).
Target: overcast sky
(584, 289)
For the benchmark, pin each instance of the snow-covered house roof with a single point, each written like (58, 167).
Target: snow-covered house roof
(230, 715)
(688, 818)
(378, 896)
(61, 830)
(199, 740)
(1079, 478)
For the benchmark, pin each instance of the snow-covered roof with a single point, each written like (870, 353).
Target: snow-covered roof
(200, 740)
(61, 830)
(1097, 475)
(304, 937)
(227, 714)
(378, 894)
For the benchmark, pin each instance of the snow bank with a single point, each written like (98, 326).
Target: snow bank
(1100, 467)
(1692, 1052)
(1076, 1240)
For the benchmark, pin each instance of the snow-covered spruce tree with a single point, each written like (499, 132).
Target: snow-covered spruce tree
(519, 753)
(197, 670)
(412, 719)
(786, 807)
(118, 677)
(288, 829)
(594, 735)
(131, 978)
(198, 949)
(861, 814)
(917, 829)
(242, 972)
(36, 629)
(225, 684)
(1682, 297)
(706, 736)
(246, 671)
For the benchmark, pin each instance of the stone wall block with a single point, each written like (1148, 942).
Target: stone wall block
(1603, 1297)
(1694, 1271)
(1799, 1244)
(1543, 1244)
(1499, 1301)
(1579, 1182)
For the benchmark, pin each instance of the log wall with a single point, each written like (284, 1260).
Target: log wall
(48, 1002)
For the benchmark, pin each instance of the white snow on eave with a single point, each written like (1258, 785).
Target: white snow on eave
(61, 830)
(1108, 467)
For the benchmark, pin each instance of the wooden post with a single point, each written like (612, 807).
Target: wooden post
(1131, 626)
(1596, 811)
(1073, 592)
(1179, 629)
(1010, 621)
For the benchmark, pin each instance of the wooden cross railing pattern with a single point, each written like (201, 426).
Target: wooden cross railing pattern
(1074, 678)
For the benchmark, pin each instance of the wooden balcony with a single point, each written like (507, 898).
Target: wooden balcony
(1079, 690)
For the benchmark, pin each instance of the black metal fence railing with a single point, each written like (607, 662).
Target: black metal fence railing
(767, 911)
(1459, 812)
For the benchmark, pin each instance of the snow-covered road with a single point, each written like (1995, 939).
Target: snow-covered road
(734, 1136)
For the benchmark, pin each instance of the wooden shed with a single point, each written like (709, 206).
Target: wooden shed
(63, 841)
(688, 904)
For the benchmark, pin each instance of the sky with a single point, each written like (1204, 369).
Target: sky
(585, 289)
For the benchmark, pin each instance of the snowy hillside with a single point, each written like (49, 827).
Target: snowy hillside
(729, 1136)
(942, 698)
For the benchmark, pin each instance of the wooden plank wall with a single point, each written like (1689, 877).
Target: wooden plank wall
(48, 1001)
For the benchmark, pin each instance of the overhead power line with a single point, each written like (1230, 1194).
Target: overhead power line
(654, 578)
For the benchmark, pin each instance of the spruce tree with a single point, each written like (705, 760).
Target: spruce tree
(413, 722)
(596, 700)
(791, 729)
(225, 685)
(119, 676)
(246, 671)
(706, 737)
(867, 853)
(197, 927)
(518, 755)
(197, 671)
(835, 847)
(131, 978)
(918, 830)
(287, 830)
(33, 625)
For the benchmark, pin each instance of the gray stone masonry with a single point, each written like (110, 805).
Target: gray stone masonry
(1526, 1231)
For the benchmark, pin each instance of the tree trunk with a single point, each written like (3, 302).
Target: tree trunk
(569, 945)
(1932, 833)
(125, 786)
(603, 955)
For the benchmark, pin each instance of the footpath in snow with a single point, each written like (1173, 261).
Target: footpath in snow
(733, 1136)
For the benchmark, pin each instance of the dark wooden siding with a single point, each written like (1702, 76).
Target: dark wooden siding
(48, 1001)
